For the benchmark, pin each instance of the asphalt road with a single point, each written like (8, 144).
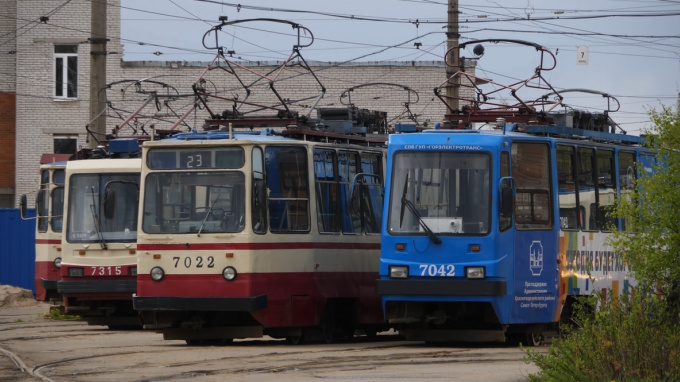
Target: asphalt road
(34, 348)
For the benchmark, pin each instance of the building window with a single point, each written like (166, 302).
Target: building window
(66, 71)
(65, 144)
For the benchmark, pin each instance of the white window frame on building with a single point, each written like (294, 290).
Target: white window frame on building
(66, 71)
(65, 137)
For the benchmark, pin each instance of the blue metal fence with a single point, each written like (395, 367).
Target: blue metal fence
(17, 249)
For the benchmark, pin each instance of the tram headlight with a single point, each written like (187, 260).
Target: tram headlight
(398, 272)
(57, 262)
(229, 273)
(157, 273)
(475, 272)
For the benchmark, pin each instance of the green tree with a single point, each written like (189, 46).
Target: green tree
(651, 243)
(634, 337)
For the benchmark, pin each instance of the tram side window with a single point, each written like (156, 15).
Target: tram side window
(259, 192)
(347, 169)
(57, 207)
(627, 176)
(566, 183)
(587, 188)
(328, 214)
(371, 193)
(505, 222)
(288, 189)
(41, 201)
(606, 189)
(530, 170)
(57, 203)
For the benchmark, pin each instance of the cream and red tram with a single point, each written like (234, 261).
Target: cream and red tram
(49, 205)
(246, 235)
(99, 265)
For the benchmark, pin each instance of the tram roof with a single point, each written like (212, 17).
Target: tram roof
(53, 165)
(264, 135)
(105, 164)
(517, 130)
(215, 137)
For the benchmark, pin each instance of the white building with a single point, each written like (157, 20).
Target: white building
(45, 76)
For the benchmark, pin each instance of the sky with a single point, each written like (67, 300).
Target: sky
(633, 46)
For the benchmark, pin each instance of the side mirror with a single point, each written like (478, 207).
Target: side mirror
(354, 200)
(507, 203)
(23, 206)
(109, 203)
(259, 193)
(507, 198)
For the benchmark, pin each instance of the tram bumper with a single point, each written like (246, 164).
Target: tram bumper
(211, 304)
(98, 286)
(48, 284)
(441, 287)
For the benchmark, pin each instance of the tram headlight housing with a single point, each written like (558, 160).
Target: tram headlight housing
(229, 273)
(475, 272)
(398, 271)
(57, 262)
(157, 273)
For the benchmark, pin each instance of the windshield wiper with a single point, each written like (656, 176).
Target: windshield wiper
(407, 203)
(97, 227)
(208, 214)
(403, 197)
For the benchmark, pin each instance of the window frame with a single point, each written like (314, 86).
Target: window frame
(69, 71)
(64, 137)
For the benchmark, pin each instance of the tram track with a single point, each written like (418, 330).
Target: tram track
(287, 360)
(45, 350)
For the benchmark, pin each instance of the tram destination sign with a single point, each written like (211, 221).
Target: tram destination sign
(203, 158)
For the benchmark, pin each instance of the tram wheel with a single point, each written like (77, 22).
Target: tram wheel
(534, 339)
(297, 339)
(328, 323)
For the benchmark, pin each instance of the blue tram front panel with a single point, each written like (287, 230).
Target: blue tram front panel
(451, 257)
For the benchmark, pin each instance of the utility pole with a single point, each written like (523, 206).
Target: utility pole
(452, 36)
(97, 71)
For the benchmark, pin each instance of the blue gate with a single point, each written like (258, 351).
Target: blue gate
(17, 249)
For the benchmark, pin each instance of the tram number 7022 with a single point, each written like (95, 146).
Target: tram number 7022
(194, 262)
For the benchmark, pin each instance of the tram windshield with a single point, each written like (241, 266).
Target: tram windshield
(87, 221)
(447, 192)
(194, 202)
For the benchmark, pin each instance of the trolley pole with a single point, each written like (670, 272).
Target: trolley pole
(452, 36)
(97, 71)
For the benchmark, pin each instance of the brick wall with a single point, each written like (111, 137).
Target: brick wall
(7, 102)
(38, 114)
(39, 117)
(8, 27)
(7, 153)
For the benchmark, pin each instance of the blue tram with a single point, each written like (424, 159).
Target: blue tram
(489, 235)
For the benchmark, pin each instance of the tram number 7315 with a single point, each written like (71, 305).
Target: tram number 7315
(195, 262)
(106, 271)
(432, 270)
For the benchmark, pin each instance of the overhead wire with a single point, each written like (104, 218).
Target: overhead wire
(371, 19)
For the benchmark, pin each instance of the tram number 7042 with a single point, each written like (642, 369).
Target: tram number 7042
(194, 262)
(433, 270)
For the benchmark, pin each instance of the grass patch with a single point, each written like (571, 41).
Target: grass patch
(56, 314)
